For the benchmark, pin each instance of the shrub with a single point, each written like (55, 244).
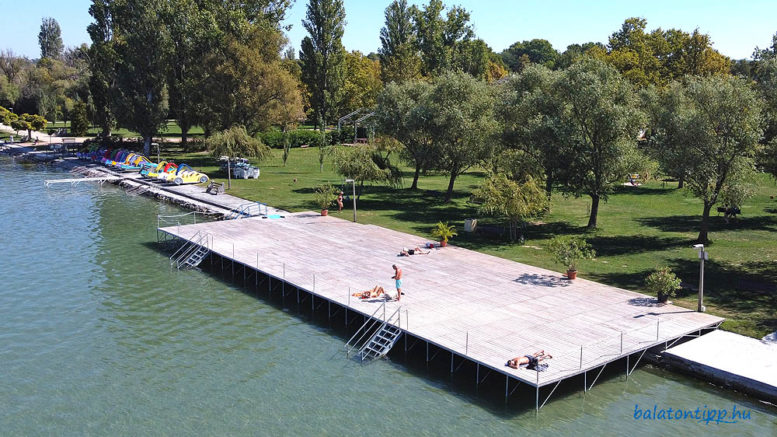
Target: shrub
(324, 196)
(570, 250)
(663, 283)
(443, 231)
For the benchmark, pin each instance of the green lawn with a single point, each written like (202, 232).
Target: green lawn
(641, 228)
(171, 130)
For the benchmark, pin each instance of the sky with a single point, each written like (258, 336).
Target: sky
(736, 27)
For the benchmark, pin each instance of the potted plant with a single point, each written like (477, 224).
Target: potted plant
(443, 232)
(569, 251)
(324, 196)
(663, 283)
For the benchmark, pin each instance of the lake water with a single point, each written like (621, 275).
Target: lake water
(99, 336)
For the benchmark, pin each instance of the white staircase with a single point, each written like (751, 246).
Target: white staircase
(381, 334)
(191, 253)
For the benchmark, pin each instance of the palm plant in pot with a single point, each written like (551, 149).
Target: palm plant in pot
(324, 196)
(663, 282)
(443, 232)
(569, 251)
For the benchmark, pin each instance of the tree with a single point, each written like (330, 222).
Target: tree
(530, 114)
(516, 201)
(192, 35)
(360, 165)
(767, 86)
(362, 82)
(720, 125)
(600, 111)
(399, 59)
(437, 37)
(538, 51)
(32, 122)
(403, 113)
(102, 61)
(665, 110)
(234, 142)
(79, 123)
(461, 123)
(50, 39)
(143, 53)
(323, 57)
(255, 90)
(658, 57)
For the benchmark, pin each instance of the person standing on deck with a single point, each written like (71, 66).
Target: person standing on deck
(398, 278)
(340, 202)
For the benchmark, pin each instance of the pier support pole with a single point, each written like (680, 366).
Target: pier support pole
(507, 387)
(537, 399)
(451, 363)
(627, 366)
(477, 377)
(585, 382)
(427, 353)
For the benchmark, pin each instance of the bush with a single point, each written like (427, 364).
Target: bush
(443, 231)
(195, 145)
(663, 283)
(324, 196)
(570, 250)
(274, 138)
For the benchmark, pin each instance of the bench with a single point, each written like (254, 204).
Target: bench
(215, 188)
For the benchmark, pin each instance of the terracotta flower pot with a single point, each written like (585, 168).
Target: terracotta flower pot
(443, 243)
(324, 212)
(571, 274)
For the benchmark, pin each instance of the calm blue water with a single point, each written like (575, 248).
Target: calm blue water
(98, 336)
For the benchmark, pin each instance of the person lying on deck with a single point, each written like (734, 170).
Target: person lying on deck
(415, 251)
(376, 291)
(528, 361)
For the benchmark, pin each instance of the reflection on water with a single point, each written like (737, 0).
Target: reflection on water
(98, 335)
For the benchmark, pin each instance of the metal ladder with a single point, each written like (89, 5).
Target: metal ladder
(384, 335)
(191, 253)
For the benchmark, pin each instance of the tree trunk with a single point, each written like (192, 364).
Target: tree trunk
(549, 188)
(594, 212)
(705, 225)
(415, 176)
(184, 132)
(681, 182)
(229, 172)
(147, 145)
(449, 193)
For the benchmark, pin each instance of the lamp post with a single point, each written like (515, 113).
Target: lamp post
(353, 184)
(703, 255)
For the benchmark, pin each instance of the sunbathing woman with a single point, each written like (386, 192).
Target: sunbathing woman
(528, 361)
(415, 251)
(376, 291)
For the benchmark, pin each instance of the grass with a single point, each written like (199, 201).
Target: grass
(641, 228)
(171, 129)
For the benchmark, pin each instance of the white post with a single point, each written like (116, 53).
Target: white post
(702, 255)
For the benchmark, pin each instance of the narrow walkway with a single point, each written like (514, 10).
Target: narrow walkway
(733, 360)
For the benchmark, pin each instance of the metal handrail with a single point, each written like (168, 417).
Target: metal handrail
(382, 326)
(188, 248)
(244, 210)
(371, 322)
(175, 254)
(194, 247)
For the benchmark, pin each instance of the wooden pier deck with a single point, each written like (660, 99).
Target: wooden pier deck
(484, 308)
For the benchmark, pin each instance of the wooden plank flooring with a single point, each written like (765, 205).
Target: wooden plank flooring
(488, 308)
